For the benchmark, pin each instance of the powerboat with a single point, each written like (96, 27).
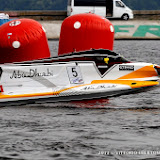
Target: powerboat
(98, 73)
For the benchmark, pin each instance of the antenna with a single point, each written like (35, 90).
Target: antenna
(94, 6)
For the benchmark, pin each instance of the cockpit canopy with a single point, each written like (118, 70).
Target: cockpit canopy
(97, 55)
(103, 59)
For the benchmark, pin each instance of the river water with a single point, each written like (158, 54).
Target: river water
(119, 128)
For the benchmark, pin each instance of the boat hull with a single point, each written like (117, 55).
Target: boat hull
(74, 77)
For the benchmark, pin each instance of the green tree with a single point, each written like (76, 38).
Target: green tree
(33, 5)
(143, 4)
(62, 4)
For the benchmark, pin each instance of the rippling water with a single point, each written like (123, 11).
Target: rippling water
(118, 128)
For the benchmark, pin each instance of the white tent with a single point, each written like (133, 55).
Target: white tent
(4, 16)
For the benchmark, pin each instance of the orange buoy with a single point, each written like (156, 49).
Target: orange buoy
(85, 32)
(22, 40)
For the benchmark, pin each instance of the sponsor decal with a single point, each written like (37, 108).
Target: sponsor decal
(15, 23)
(74, 75)
(32, 73)
(98, 87)
(126, 67)
(9, 34)
(77, 80)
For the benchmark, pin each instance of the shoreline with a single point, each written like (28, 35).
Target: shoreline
(124, 30)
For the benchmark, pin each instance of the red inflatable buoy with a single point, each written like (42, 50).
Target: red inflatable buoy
(22, 40)
(84, 32)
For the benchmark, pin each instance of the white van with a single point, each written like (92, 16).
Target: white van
(105, 8)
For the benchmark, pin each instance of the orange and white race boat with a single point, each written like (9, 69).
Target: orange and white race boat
(82, 69)
(83, 75)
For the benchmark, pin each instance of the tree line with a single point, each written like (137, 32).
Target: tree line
(6, 5)
(143, 4)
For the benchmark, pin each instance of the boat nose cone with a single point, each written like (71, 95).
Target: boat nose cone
(157, 68)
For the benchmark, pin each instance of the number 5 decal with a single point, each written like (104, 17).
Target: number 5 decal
(74, 75)
(74, 72)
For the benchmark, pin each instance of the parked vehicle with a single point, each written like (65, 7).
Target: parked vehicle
(105, 8)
